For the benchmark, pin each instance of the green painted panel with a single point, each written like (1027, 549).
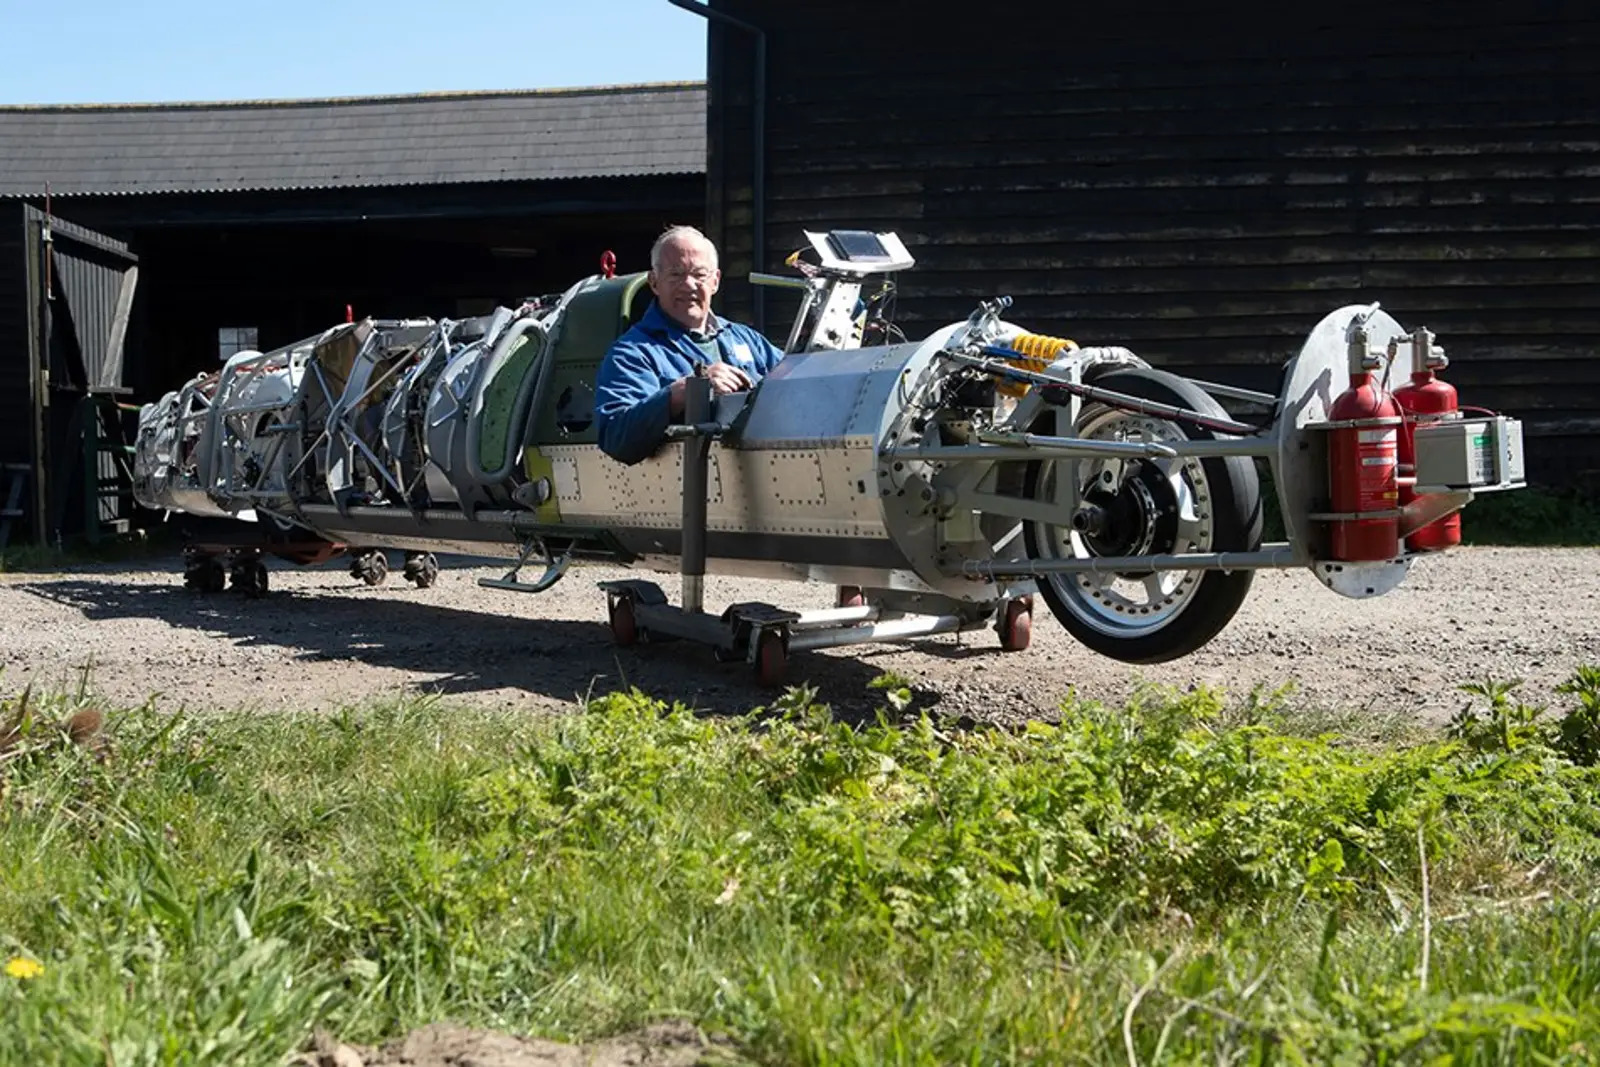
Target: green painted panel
(500, 397)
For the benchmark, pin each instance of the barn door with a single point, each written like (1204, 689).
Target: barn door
(83, 286)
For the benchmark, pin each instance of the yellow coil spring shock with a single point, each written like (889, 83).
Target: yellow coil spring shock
(1038, 350)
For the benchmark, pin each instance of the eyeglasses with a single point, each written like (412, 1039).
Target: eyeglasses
(699, 274)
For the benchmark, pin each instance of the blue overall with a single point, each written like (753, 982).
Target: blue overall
(631, 406)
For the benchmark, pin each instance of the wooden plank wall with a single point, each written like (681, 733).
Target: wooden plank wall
(1203, 182)
(15, 400)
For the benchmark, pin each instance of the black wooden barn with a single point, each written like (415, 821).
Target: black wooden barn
(177, 234)
(1201, 181)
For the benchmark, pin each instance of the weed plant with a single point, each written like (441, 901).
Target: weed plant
(1177, 880)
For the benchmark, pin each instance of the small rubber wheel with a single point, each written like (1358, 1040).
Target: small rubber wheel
(851, 596)
(213, 576)
(422, 571)
(772, 658)
(197, 576)
(251, 579)
(624, 626)
(372, 568)
(1016, 624)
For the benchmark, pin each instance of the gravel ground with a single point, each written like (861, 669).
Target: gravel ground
(320, 639)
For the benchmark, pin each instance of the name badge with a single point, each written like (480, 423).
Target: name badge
(741, 352)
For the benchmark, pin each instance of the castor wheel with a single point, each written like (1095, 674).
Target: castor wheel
(851, 596)
(624, 625)
(1015, 624)
(422, 569)
(250, 578)
(371, 567)
(206, 575)
(772, 658)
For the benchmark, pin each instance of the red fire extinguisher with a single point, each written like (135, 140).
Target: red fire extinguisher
(1363, 461)
(1426, 399)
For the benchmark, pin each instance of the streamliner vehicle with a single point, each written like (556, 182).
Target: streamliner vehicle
(941, 484)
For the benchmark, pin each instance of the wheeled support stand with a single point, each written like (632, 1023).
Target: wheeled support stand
(760, 634)
(211, 568)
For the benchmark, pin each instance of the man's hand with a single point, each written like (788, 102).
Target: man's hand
(724, 377)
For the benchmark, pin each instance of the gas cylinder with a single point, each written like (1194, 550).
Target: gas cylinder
(1363, 461)
(1425, 399)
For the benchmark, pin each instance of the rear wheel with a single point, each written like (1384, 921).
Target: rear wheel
(1138, 507)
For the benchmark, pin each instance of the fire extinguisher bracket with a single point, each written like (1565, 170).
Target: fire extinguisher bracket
(1350, 516)
(1347, 424)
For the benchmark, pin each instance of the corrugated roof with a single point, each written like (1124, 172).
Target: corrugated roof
(359, 141)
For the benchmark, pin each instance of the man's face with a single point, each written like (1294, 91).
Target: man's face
(686, 282)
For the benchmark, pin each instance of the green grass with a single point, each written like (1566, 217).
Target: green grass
(27, 558)
(1534, 516)
(1178, 880)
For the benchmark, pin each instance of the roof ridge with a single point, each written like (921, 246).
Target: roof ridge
(641, 88)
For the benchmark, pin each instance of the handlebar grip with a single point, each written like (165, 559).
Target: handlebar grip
(684, 431)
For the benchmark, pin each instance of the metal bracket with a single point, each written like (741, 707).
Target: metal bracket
(555, 570)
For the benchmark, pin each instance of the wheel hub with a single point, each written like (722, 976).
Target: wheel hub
(1136, 518)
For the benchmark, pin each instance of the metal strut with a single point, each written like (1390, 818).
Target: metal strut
(696, 456)
(1051, 390)
(555, 570)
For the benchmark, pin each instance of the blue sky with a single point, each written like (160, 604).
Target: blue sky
(116, 51)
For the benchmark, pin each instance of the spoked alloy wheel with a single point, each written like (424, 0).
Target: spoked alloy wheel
(1137, 507)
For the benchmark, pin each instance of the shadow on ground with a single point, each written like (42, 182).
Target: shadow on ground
(460, 653)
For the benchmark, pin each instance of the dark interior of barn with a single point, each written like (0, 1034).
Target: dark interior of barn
(204, 287)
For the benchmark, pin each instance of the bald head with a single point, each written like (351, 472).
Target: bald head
(684, 275)
(686, 236)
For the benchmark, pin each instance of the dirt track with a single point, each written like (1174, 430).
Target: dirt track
(320, 639)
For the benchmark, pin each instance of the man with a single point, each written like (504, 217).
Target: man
(640, 389)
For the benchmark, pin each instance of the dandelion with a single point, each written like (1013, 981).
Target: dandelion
(21, 967)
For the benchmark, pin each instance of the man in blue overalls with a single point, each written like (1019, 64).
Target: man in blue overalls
(642, 380)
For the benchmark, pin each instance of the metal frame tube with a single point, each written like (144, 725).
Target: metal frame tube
(894, 630)
(1003, 453)
(1268, 557)
(758, 145)
(1253, 447)
(999, 366)
(1234, 392)
(818, 620)
(696, 458)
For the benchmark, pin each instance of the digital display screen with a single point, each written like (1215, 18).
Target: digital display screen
(858, 246)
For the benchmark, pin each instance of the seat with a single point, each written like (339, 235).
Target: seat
(599, 312)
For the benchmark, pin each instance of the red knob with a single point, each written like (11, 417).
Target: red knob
(608, 263)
